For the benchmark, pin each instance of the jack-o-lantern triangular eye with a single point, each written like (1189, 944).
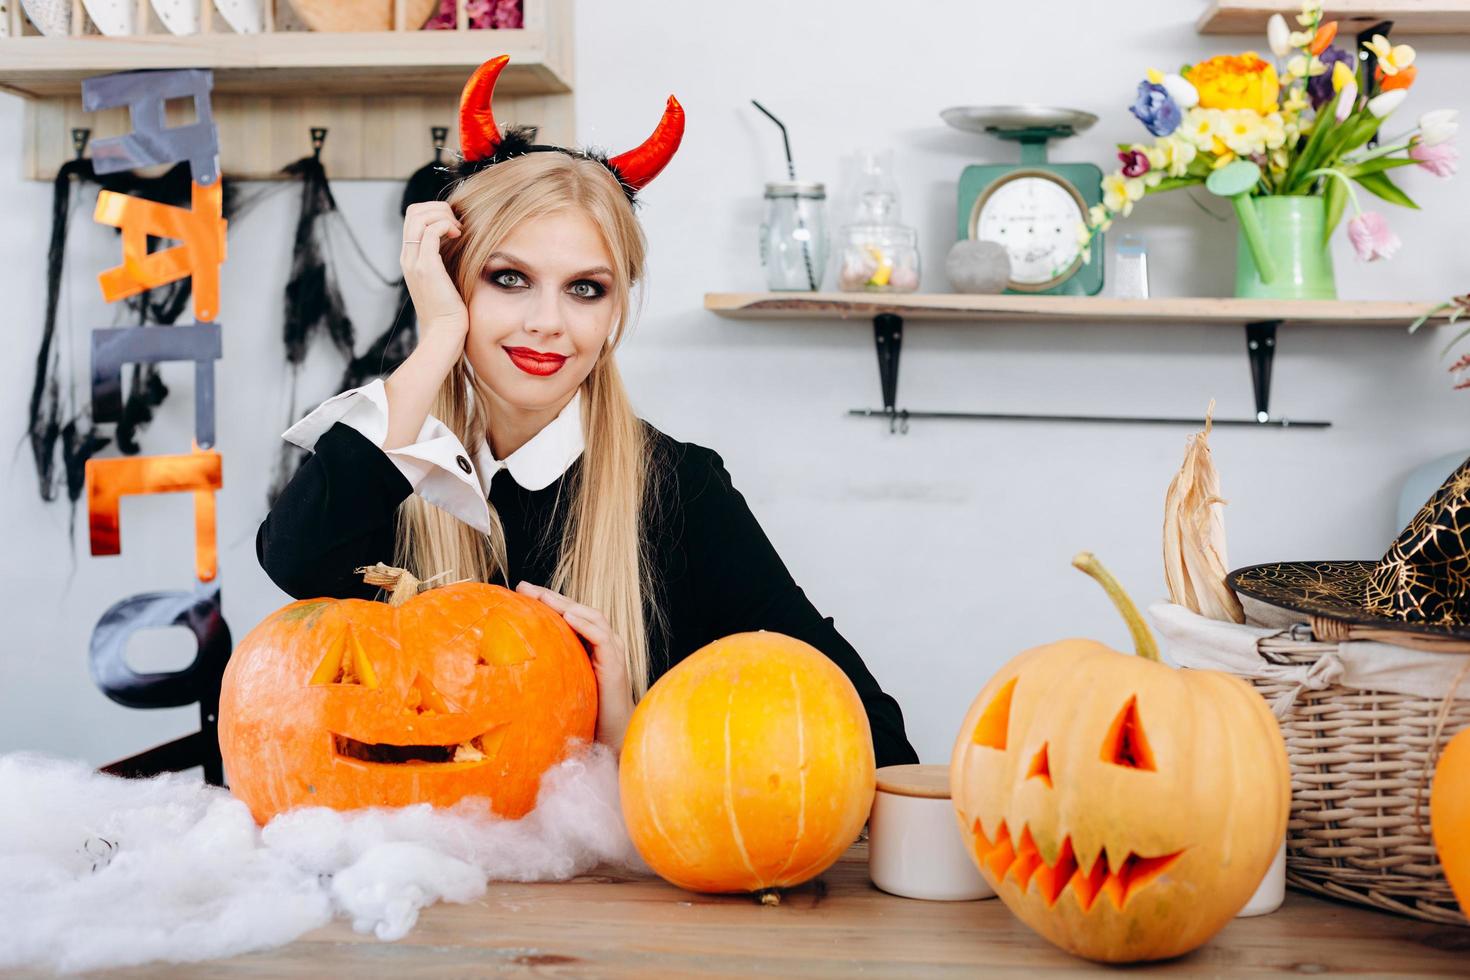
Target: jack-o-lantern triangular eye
(346, 662)
(990, 731)
(1126, 745)
(1040, 767)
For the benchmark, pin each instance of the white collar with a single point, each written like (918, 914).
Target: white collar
(545, 456)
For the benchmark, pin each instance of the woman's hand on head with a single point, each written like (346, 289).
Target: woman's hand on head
(442, 315)
(609, 662)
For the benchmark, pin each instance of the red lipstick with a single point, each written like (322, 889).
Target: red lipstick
(535, 362)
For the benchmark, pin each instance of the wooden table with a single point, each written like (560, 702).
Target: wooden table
(838, 926)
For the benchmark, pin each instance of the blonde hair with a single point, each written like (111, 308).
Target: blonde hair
(603, 561)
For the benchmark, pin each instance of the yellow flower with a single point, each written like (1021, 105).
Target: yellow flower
(1099, 218)
(1222, 160)
(1296, 67)
(1242, 81)
(1280, 158)
(1120, 192)
(1171, 156)
(1311, 13)
(1273, 130)
(1244, 134)
(1199, 127)
(1295, 101)
(1155, 76)
(1392, 59)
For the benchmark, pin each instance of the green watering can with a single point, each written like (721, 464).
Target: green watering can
(1282, 252)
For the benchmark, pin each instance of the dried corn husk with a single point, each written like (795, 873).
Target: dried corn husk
(1194, 534)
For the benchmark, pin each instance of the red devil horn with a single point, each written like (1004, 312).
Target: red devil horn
(642, 163)
(478, 134)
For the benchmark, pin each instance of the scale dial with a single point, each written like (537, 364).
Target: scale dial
(1035, 215)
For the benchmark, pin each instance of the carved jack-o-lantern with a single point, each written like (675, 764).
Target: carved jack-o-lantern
(1123, 809)
(465, 690)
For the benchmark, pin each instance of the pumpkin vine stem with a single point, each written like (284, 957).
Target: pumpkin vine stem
(769, 896)
(1143, 639)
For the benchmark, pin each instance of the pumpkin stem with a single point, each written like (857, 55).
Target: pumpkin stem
(769, 896)
(402, 583)
(1143, 640)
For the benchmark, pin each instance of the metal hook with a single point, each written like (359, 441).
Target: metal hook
(440, 134)
(318, 137)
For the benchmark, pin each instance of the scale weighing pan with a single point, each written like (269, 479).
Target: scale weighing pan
(1007, 118)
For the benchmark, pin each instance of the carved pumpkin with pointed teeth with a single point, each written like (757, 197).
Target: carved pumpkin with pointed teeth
(465, 690)
(1123, 809)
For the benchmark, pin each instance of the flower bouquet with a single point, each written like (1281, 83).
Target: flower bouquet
(1295, 135)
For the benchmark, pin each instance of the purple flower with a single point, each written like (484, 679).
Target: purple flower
(1153, 107)
(1371, 237)
(1135, 163)
(1319, 87)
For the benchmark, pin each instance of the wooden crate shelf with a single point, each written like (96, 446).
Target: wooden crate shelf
(377, 93)
(1408, 16)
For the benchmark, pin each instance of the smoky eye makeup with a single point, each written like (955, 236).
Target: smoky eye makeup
(504, 279)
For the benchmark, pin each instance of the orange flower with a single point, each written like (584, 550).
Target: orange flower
(1403, 79)
(1243, 81)
(1323, 37)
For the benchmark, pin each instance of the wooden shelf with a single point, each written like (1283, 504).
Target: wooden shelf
(1408, 16)
(292, 62)
(1054, 309)
(377, 93)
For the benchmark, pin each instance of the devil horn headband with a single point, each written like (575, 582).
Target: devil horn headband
(482, 144)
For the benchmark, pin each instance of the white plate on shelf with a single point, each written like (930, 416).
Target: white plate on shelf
(51, 17)
(243, 16)
(112, 17)
(179, 16)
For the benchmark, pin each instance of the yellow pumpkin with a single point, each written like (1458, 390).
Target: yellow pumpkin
(748, 766)
(1123, 809)
(1449, 815)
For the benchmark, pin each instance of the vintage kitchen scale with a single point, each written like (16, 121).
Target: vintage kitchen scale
(1034, 207)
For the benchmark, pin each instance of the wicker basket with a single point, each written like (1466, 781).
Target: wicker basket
(1361, 762)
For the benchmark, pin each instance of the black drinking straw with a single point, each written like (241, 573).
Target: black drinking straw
(791, 174)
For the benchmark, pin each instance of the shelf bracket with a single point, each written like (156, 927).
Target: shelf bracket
(888, 339)
(1260, 346)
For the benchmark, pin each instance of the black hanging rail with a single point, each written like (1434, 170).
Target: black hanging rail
(1260, 347)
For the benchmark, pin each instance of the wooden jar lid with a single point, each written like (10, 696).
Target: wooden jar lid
(927, 781)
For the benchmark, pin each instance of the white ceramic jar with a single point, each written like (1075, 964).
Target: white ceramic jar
(914, 844)
(1272, 890)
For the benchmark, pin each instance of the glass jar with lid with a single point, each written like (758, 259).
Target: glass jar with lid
(794, 235)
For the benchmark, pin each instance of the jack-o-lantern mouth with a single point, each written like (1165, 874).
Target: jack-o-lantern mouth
(475, 751)
(1022, 861)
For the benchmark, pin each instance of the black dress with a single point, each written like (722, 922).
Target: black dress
(716, 571)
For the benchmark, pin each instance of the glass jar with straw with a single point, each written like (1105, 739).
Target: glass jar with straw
(794, 233)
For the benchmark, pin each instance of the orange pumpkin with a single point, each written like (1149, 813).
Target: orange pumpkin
(1122, 809)
(748, 766)
(1449, 815)
(465, 690)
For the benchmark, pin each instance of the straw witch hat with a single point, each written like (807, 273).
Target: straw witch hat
(1418, 594)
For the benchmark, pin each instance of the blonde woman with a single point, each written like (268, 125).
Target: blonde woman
(505, 448)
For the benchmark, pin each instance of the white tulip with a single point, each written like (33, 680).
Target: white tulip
(1278, 35)
(1438, 126)
(1181, 90)
(1386, 102)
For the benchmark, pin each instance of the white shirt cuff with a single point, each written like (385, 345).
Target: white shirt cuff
(435, 464)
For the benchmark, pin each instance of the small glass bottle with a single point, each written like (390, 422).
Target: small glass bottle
(794, 235)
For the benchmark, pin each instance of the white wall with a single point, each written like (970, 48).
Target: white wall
(941, 553)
